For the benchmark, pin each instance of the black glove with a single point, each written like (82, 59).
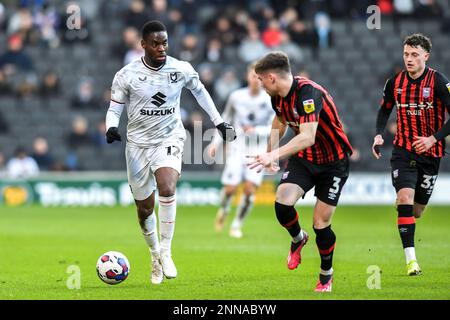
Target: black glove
(226, 131)
(113, 134)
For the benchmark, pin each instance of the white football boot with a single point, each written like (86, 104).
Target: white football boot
(169, 269)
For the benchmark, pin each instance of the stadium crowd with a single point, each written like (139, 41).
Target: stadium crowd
(218, 37)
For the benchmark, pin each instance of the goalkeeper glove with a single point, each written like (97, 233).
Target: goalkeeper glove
(226, 131)
(113, 135)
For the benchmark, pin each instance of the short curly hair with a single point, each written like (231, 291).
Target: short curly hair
(418, 39)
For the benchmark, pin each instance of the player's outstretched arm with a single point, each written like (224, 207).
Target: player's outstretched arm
(276, 133)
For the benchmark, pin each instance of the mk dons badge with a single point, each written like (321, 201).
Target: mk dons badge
(308, 105)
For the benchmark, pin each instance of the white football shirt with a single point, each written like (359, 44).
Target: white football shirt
(152, 98)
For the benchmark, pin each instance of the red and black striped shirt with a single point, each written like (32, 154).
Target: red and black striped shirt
(309, 102)
(421, 105)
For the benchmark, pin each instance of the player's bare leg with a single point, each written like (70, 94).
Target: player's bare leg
(166, 181)
(244, 208)
(287, 196)
(227, 194)
(418, 210)
(406, 227)
(147, 221)
(325, 240)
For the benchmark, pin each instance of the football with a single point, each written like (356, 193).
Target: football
(113, 267)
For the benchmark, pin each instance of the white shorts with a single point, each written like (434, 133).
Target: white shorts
(236, 171)
(143, 162)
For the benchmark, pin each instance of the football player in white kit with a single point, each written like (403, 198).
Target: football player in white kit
(150, 88)
(249, 110)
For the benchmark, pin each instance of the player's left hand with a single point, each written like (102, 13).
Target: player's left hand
(423, 144)
(262, 161)
(226, 131)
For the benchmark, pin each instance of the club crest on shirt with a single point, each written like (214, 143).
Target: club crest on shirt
(426, 92)
(308, 105)
(448, 87)
(173, 77)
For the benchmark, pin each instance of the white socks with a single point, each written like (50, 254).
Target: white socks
(150, 233)
(167, 212)
(410, 254)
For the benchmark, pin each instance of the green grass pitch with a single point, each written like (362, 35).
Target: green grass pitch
(39, 244)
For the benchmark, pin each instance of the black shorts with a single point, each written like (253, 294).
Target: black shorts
(410, 170)
(327, 178)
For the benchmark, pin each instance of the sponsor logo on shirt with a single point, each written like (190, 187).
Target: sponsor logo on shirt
(158, 99)
(157, 112)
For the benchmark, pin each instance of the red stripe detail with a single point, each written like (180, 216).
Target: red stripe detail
(290, 223)
(327, 251)
(406, 220)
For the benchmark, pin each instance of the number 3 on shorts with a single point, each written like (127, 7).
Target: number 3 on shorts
(335, 188)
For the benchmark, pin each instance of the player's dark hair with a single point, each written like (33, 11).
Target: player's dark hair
(152, 26)
(418, 39)
(273, 61)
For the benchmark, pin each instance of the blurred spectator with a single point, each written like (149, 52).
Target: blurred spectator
(288, 17)
(130, 35)
(223, 31)
(15, 57)
(386, 7)
(214, 50)
(428, 9)
(291, 49)
(47, 21)
(4, 125)
(41, 154)
(190, 49)
(159, 12)
(98, 137)
(21, 23)
(403, 8)
(27, 85)
(137, 15)
(22, 165)
(272, 35)
(50, 86)
(227, 83)
(79, 135)
(134, 53)
(323, 30)
(252, 48)
(189, 11)
(300, 34)
(206, 74)
(84, 97)
(6, 87)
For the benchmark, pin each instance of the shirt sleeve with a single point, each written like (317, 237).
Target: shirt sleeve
(388, 99)
(309, 104)
(119, 89)
(386, 106)
(442, 89)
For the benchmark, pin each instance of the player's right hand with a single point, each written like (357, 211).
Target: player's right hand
(113, 135)
(226, 131)
(377, 142)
